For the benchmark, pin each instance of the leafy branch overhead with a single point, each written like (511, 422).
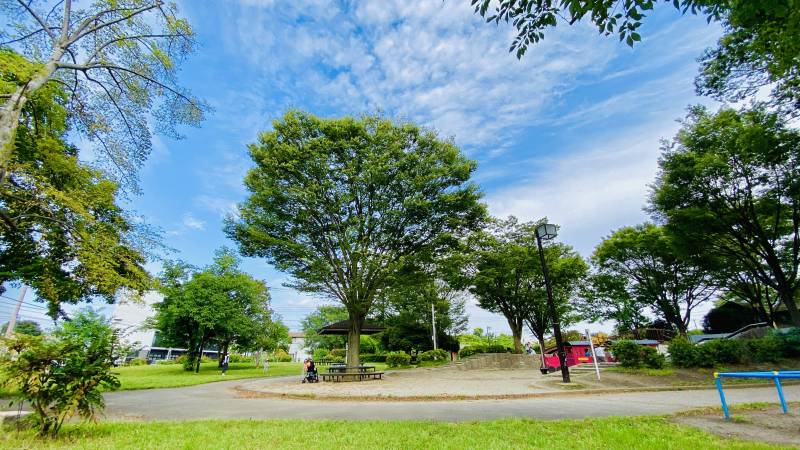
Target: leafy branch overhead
(117, 60)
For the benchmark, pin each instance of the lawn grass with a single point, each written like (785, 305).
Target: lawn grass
(598, 433)
(172, 375)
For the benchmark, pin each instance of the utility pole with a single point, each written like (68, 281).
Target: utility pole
(13, 320)
(433, 323)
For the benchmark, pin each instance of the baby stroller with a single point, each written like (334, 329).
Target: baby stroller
(310, 372)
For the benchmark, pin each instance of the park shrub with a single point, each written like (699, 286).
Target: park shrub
(682, 353)
(335, 359)
(628, 353)
(398, 359)
(497, 348)
(280, 355)
(470, 350)
(339, 352)
(790, 342)
(321, 353)
(767, 349)
(433, 355)
(652, 359)
(63, 374)
(371, 357)
(238, 358)
(137, 362)
(722, 351)
(167, 362)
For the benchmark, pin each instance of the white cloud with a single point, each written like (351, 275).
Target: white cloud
(431, 62)
(191, 222)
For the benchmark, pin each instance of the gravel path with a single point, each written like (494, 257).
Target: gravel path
(220, 401)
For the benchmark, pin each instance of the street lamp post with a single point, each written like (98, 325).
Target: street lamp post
(547, 232)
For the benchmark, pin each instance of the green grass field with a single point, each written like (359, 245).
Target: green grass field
(607, 433)
(172, 375)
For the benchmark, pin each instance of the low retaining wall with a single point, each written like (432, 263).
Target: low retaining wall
(500, 361)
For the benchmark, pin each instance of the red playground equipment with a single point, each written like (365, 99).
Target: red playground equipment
(579, 352)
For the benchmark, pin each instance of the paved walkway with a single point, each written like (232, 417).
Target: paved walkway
(220, 401)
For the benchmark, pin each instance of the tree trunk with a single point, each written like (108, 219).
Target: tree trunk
(223, 353)
(354, 340)
(516, 333)
(200, 353)
(12, 109)
(787, 298)
(541, 349)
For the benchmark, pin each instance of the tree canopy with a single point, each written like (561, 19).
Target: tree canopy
(644, 258)
(61, 228)
(729, 186)
(117, 63)
(219, 304)
(502, 269)
(343, 204)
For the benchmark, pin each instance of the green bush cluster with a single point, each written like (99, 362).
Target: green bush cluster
(338, 352)
(237, 358)
(398, 359)
(321, 353)
(280, 355)
(167, 362)
(630, 354)
(475, 349)
(373, 358)
(433, 355)
(137, 362)
(768, 349)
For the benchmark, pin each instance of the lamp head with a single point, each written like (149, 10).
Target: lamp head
(546, 231)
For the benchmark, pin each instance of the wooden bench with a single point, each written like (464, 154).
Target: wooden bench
(352, 376)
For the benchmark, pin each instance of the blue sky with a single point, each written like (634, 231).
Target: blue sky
(570, 132)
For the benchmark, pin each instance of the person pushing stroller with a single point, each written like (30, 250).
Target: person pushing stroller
(310, 371)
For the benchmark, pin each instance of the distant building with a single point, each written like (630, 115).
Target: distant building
(297, 349)
(129, 316)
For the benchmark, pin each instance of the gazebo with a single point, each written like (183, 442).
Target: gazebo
(342, 327)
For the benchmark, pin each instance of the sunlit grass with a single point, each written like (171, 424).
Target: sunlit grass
(605, 433)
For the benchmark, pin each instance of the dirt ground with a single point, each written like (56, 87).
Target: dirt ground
(764, 424)
(449, 382)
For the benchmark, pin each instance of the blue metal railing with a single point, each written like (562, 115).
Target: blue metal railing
(776, 376)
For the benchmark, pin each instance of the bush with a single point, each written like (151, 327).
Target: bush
(497, 348)
(683, 353)
(137, 362)
(652, 359)
(63, 374)
(321, 353)
(791, 342)
(468, 351)
(767, 349)
(166, 362)
(280, 355)
(237, 358)
(722, 351)
(628, 353)
(398, 359)
(373, 358)
(433, 355)
(339, 352)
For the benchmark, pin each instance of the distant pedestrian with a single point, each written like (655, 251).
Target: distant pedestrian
(266, 364)
(225, 361)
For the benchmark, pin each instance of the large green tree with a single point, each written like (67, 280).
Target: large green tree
(116, 60)
(654, 273)
(606, 296)
(61, 228)
(341, 204)
(502, 269)
(218, 305)
(729, 185)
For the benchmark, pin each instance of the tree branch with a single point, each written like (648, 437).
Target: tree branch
(41, 21)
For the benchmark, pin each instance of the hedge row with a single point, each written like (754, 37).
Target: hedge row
(631, 354)
(770, 348)
(433, 355)
(475, 349)
(398, 359)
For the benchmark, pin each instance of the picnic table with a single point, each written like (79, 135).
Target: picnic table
(343, 368)
(351, 373)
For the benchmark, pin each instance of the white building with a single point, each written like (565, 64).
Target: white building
(297, 349)
(129, 315)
